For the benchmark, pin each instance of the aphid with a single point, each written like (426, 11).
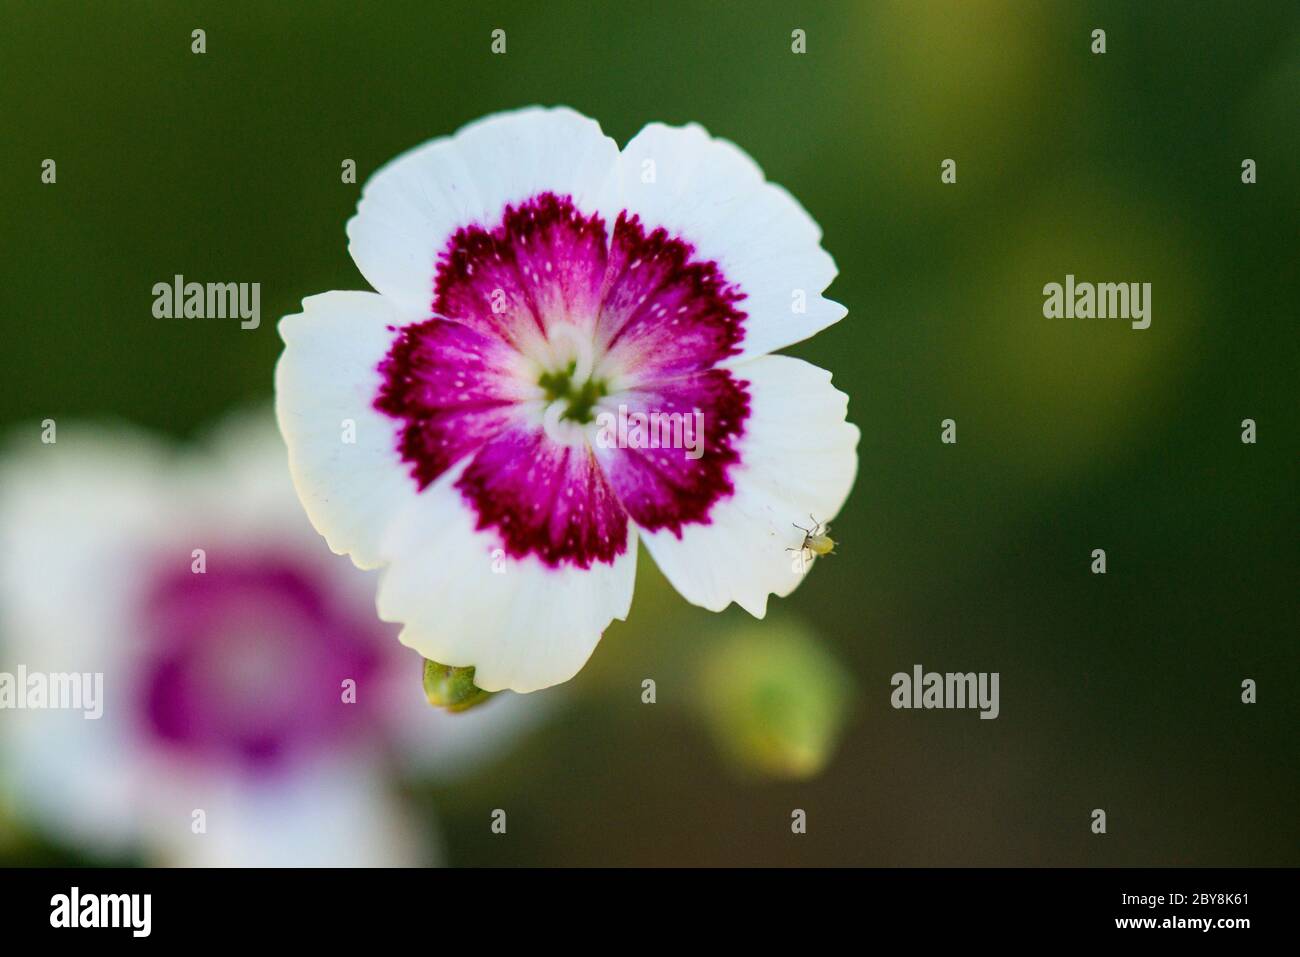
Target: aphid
(817, 541)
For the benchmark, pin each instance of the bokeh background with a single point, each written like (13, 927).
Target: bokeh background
(1119, 691)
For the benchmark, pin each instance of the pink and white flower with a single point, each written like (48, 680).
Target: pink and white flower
(226, 638)
(530, 276)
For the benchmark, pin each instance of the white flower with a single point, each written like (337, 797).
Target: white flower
(532, 279)
(225, 636)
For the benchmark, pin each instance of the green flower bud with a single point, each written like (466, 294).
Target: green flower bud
(774, 698)
(452, 688)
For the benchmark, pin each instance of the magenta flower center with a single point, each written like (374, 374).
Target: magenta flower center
(246, 663)
(542, 327)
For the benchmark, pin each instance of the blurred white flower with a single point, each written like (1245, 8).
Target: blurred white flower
(254, 707)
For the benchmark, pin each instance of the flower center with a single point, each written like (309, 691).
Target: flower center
(246, 663)
(551, 307)
(579, 398)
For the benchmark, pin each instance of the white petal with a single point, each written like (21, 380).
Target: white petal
(236, 477)
(337, 814)
(521, 624)
(710, 193)
(416, 202)
(73, 515)
(326, 378)
(75, 779)
(75, 518)
(798, 456)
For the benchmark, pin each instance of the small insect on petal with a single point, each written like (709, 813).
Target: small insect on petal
(820, 544)
(816, 540)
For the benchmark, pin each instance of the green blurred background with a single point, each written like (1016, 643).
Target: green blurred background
(1119, 691)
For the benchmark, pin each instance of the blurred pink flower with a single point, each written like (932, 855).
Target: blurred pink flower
(255, 709)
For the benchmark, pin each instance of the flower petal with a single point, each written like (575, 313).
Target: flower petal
(449, 388)
(798, 456)
(670, 447)
(411, 208)
(664, 312)
(545, 499)
(330, 814)
(69, 511)
(521, 623)
(326, 383)
(541, 265)
(711, 194)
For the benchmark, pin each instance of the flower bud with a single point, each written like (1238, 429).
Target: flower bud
(452, 688)
(774, 698)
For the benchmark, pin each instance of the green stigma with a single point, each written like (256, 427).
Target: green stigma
(581, 399)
